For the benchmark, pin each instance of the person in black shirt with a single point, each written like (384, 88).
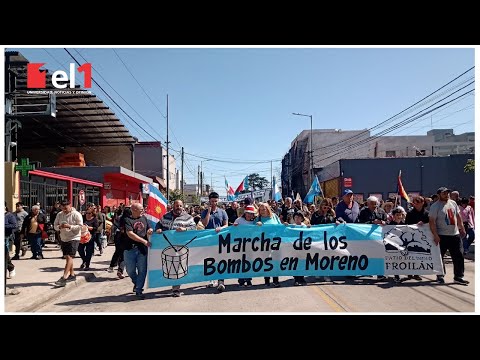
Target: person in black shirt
(324, 213)
(136, 252)
(232, 213)
(418, 215)
(399, 219)
(372, 213)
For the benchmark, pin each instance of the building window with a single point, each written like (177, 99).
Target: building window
(390, 153)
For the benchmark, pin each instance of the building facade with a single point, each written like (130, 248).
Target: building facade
(333, 145)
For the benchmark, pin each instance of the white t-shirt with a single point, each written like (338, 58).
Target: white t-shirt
(243, 221)
(445, 215)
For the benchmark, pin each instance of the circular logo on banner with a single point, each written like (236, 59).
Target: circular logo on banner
(81, 197)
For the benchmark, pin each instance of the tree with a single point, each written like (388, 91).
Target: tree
(176, 195)
(257, 182)
(470, 166)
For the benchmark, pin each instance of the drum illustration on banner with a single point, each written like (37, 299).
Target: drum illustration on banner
(175, 260)
(81, 197)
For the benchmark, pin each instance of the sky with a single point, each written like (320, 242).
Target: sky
(232, 107)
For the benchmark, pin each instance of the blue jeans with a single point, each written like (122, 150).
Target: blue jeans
(135, 260)
(35, 241)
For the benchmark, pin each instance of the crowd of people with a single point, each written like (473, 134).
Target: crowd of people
(450, 218)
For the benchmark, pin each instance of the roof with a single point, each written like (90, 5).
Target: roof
(81, 118)
(97, 173)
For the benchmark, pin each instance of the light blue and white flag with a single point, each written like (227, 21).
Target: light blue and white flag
(277, 196)
(315, 189)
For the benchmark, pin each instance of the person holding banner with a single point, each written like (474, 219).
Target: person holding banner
(299, 219)
(266, 216)
(177, 219)
(324, 213)
(215, 218)
(447, 228)
(347, 210)
(247, 219)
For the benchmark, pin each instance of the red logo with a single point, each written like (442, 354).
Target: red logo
(37, 78)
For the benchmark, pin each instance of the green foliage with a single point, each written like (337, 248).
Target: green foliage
(470, 166)
(176, 195)
(257, 182)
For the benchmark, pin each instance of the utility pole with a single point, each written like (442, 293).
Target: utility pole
(271, 180)
(198, 181)
(168, 161)
(181, 186)
(310, 173)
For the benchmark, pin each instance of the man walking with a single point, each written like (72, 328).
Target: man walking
(177, 219)
(447, 229)
(135, 255)
(32, 228)
(216, 218)
(21, 214)
(69, 222)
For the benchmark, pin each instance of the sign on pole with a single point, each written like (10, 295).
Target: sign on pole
(81, 197)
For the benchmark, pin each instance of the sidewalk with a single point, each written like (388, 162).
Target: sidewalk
(34, 280)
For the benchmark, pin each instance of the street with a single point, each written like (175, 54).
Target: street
(107, 293)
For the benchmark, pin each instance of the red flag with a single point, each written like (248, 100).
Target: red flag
(400, 190)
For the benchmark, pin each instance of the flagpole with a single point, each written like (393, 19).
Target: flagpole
(398, 187)
(271, 179)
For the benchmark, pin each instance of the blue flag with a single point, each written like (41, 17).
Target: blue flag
(276, 191)
(315, 190)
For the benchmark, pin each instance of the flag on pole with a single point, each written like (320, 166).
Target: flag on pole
(400, 189)
(156, 206)
(243, 186)
(276, 191)
(230, 191)
(315, 189)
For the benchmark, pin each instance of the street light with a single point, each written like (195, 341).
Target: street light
(310, 176)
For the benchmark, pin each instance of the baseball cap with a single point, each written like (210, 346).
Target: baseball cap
(347, 191)
(442, 189)
(250, 209)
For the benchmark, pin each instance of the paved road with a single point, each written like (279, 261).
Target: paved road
(106, 293)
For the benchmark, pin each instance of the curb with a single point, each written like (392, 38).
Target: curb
(56, 292)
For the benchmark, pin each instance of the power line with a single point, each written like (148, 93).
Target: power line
(121, 97)
(112, 99)
(342, 148)
(408, 108)
(391, 129)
